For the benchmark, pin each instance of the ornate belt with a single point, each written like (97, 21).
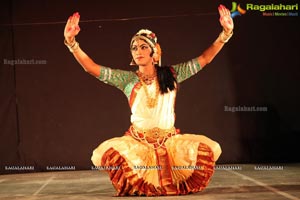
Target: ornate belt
(155, 136)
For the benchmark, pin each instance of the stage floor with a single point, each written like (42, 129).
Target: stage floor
(255, 182)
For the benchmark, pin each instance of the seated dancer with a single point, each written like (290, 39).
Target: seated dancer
(153, 158)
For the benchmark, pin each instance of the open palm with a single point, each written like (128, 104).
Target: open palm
(225, 19)
(72, 28)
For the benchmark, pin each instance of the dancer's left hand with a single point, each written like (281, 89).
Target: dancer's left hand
(225, 19)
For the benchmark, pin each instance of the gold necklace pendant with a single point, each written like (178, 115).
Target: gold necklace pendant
(151, 102)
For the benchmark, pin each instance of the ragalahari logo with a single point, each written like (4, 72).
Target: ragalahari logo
(236, 10)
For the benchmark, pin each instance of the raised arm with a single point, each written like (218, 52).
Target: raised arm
(71, 30)
(227, 23)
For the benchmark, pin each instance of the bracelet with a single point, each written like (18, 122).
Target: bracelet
(225, 37)
(73, 47)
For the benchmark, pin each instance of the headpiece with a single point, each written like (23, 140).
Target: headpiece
(149, 37)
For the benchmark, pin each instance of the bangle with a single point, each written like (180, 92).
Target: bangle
(73, 47)
(71, 43)
(225, 37)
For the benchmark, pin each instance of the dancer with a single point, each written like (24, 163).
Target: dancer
(153, 158)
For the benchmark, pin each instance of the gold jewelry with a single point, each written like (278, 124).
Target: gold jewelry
(224, 37)
(155, 135)
(147, 80)
(71, 43)
(73, 47)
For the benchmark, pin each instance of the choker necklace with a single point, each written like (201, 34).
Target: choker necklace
(147, 80)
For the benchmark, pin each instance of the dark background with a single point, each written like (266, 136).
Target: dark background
(55, 114)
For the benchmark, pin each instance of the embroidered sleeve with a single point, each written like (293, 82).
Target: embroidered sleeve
(187, 69)
(115, 77)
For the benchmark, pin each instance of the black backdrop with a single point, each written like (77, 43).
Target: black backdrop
(52, 113)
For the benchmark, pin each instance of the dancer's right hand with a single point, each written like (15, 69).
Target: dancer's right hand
(72, 28)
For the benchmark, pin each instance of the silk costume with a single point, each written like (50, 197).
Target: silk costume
(153, 158)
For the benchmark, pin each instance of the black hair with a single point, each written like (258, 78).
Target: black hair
(166, 78)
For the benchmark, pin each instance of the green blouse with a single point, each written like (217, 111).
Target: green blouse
(126, 80)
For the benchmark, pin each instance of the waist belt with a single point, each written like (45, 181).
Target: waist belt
(155, 136)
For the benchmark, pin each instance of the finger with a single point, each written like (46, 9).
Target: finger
(224, 10)
(73, 18)
(68, 25)
(221, 19)
(227, 12)
(220, 10)
(68, 21)
(224, 7)
(76, 18)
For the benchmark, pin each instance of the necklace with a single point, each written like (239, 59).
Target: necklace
(147, 80)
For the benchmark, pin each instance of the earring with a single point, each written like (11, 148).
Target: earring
(156, 59)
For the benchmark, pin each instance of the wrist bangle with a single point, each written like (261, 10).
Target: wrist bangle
(71, 43)
(225, 37)
(73, 47)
